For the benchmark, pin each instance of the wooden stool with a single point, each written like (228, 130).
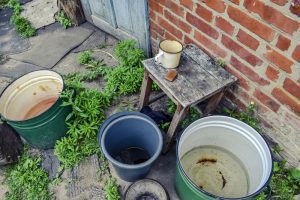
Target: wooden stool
(199, 78)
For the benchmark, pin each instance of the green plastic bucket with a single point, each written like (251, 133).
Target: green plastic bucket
(232, 136)
(31, 105)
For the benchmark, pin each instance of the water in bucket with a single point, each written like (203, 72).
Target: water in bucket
(133, 156)
(40, 107)
(216, 171)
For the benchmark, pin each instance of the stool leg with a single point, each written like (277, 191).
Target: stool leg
(145, 90)
(213, 102)
(177, 118)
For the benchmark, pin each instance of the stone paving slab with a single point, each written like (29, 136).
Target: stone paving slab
(10, 40)
(96, 39)
(40, 12)
(49, 47)
(3, 83)
(81, 182)
(14, 69)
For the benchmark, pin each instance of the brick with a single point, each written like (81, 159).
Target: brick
(155, 35)
(224, 25)
(266, 100)
(272, 16)
(154, 6)
(241, 51)
(152, 15)
(295, 7)
(279, 60)
(202, 26)
(292, 87)
(247, 71)
(280, 2)
(158, 29)
(235, 100)
(296, 53)
(178, 22)
(176, 9)
(283, 43)
(284, 99)
(217, 5)
(187, 3)
(237, 2)
(293, 120)
(209, 44)
(272, 73)
(247, 39)
(242, 82)
(251, 24)
(169, 36)
(164, 24)
(204, 13)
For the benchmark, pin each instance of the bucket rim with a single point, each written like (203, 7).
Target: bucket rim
(129, 114)
(265, 185)
(3, 118)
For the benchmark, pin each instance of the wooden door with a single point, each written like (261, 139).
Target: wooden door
(124, 19)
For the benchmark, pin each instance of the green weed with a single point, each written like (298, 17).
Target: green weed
(88, 105)
(221, 63)
(285, 183)
(3, 3)
(111, 189)
(23, 26)
(27, 180)
(247, 116)
(63, 19)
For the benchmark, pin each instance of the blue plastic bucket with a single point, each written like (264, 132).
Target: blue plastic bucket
(125, 130)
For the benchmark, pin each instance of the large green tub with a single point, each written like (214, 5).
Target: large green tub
(31, 105)
(233, 136)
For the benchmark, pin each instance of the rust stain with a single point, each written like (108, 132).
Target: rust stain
(207, 160)
(42, 88)
(223, 179)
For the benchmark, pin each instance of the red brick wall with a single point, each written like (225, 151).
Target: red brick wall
(260, 44)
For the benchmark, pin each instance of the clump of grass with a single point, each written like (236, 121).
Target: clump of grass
(111, 189)
(63, 19)
(27, 180)
(22, 25)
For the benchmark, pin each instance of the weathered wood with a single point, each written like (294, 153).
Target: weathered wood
(213, 103)
(177, 118)
(199, 78)
(209, 64)
(145, 90)
(159, 96)
(73, 10)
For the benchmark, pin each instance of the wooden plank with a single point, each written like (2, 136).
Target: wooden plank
(192, 83)
(122, 14)
(118, 33)
(213, 103)
(145, 90)
(101, 9)
(209, 64)
(177, 118)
